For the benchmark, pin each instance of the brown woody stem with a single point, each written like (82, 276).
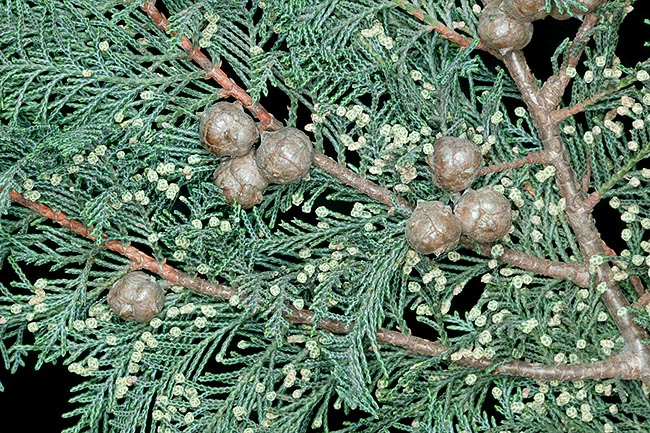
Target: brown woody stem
(139, 259)
(578, 210)
(625, 365)
(563, 113)
(540, 103)
(556, 85)
(622, 366)
(575, 272)
(350, 178)
(216, 73)
(532, 158)
(435, 26)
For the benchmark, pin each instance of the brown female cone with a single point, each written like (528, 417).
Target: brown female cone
(241, 181)
(485, 215)
(432, 228)
(226, 130)
(525, 10)
(455, 163)
(500, 31)
(284, 156)
(136, 296)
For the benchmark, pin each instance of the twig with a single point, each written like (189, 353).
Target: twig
(622, 365)
(324, 162)
(350, 178)
(579, 214)
(575, 272)
(435, 26)
(137, 257)
(215, 72)
(555, 86)
(562, 113)
(531, 158)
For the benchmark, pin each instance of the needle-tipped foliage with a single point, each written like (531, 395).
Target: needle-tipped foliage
(310, 312)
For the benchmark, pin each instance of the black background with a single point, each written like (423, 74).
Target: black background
(34, 400)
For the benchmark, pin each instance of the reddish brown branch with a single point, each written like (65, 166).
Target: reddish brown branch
(140, 260)
(554, 88)
(579, 213)
(575, 272)
(562, 113)
(622, 366)
(324, 162)
(350, 178)
(580, 40)
(531, 158)
(452, 36)
(435, 26)
(229, 86)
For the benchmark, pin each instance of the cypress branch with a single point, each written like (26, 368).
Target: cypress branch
(299, 292)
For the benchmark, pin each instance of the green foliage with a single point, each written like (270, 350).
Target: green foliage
(98, 113)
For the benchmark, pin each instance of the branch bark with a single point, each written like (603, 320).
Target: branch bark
(350, 178)
(215, 72)
(436, 26)
(556, 85)
(269, 122)
(578, 210)
(575, 272)
(541, 102)
(139, 259)
(623, 365)
(563, 113)
(532, 158)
